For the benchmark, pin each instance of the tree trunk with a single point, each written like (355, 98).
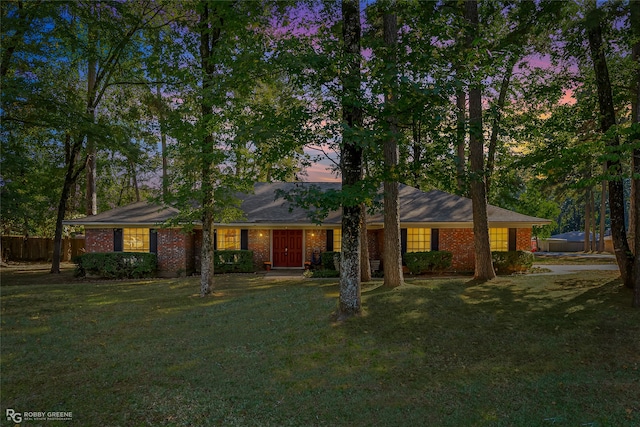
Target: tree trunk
(603, 213)
(209, 26)
(134, 180)
(461, 157)
(91, 172)
(587, 221)
(70, 177)
(635, 139)
(593, 219)
(392, 254)
(497, 118)
(163, 146)
(483, 263)
(607, 120)
(365, 265)
(351, 162)
(207, 253)
(417, 156)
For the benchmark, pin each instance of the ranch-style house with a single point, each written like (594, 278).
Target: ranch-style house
(285, 237)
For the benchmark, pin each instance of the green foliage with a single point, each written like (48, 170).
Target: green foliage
(508, 262)
(116, 265)
(233, 261)
(327, 260)
(428, 262)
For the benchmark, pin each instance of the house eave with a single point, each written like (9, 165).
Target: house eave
(96, 225)
(325, 226)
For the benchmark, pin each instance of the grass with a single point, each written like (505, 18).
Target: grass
(519, 351)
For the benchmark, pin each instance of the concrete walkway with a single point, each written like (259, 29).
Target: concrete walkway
(568, 269)
(575, 268)
(284, 274)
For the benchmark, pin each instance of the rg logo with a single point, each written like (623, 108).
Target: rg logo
(14, 416)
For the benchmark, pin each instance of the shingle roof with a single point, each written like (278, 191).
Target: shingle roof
(265, 207)
(416, 206)
(139, 213)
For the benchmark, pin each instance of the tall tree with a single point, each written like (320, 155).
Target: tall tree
(350, 303)
(483, 262)
(109, 63)
(461, 131)
(614, 166)
(209, 26)
(392, 254)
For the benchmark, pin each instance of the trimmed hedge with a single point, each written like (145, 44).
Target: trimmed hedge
(116, 265)
(233, 261)
(428, 262)
(327, 260)
(509, 262)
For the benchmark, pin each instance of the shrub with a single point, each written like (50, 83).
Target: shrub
(428, 262)
(508, 262)
(116, 265)
(327, 260)
(233, 261)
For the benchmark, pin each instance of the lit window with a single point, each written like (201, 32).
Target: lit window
(499, 238)
(135, 239)
(337, 240)
(418, 239)
(228, 239)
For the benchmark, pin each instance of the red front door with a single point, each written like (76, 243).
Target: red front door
(287, 248)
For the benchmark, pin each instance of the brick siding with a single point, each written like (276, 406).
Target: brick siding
(175, 253)
(374, 239)
(260, 244)
(179, 252)
(314, 239)
(98, 240)
(523, 239)
(458, 241)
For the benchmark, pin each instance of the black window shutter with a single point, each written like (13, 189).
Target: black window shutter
(435, 239)
(153, 241)
(215, 239)
(244, 240)
(329, 240)
(403, 240)
(118, 242)
(513, 241)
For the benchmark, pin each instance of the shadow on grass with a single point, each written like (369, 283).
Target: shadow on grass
(515, 351)
(514, 348)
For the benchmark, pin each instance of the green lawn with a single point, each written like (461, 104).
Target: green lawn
(520, 351)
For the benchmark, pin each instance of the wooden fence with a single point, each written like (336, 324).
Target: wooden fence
(18, 248)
